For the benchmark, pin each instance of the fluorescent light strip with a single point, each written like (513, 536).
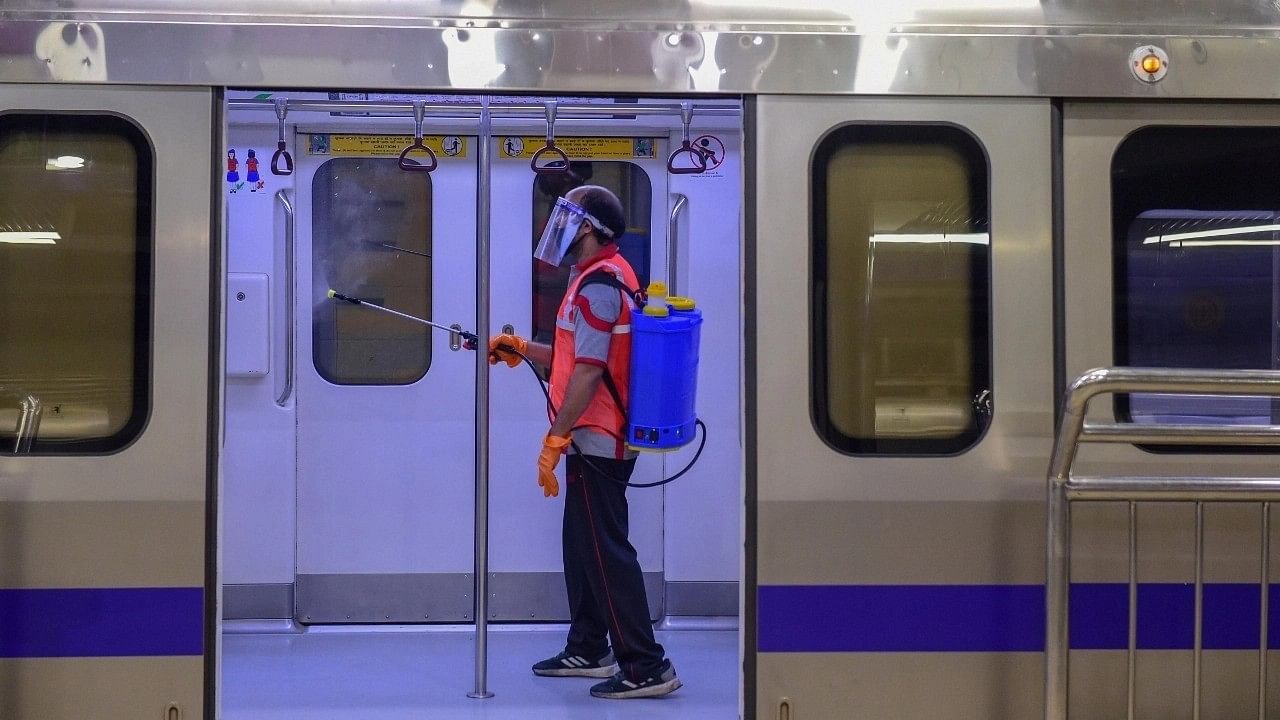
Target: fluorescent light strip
(1199, 234)
(30, 238)
(969, 238)
(1222, 243)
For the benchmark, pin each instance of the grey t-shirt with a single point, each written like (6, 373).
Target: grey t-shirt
(595, 313)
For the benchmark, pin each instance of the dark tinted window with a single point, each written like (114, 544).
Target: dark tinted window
(1196, 228)
(900, 309)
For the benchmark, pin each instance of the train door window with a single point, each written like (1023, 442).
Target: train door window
(75, 279)
(632, 186)
(1196, 237)
(900, 306)
(371, 239)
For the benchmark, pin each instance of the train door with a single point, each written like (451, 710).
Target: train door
(1171, 259)
(108, 366)
(527, 582)
(259, 454)
(385, 405)
(899, 406)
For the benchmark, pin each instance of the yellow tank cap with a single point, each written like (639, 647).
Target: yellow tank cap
(657, 302)
(681, 303)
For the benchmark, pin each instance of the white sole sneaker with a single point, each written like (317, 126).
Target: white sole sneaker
(596, 672)
(658, 690)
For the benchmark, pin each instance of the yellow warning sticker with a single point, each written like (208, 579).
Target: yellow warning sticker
(580, 148)
(444, 146)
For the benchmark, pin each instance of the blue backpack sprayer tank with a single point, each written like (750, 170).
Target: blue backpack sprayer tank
(664, 372)
(662, 414)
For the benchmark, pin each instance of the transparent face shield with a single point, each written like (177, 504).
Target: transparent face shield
(562, 229)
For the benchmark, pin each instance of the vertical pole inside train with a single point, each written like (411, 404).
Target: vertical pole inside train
(481, 585)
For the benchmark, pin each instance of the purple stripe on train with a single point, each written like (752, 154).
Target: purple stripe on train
(1003, 618)
(101, 622)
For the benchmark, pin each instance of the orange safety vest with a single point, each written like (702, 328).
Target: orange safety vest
(602, 412)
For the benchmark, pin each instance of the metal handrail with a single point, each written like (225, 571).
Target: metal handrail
(1064, 488)
(673, 242)
(290, 289)
(30, 410)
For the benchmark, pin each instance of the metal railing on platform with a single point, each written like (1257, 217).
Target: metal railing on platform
(1064, 487)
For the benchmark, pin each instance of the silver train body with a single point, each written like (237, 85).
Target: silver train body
(887, 573)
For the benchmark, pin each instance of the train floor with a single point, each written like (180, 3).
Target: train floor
(384, 674)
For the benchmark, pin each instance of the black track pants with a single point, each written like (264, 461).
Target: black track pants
(601, 572)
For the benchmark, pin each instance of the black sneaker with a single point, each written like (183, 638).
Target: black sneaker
(567, 665)
(663, 681)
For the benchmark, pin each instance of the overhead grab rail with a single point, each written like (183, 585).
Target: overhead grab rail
(408, 163)
(687, 149)
(471, 110)
(281, 106)
(560, 162)
(1064, 487)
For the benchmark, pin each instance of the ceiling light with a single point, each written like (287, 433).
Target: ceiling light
(930, 239)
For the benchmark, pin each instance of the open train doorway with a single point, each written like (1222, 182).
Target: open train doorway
(349, 499)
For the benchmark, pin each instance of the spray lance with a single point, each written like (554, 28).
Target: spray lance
(663, 373)
(469, 340)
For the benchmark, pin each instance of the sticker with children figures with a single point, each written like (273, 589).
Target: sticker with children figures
(252, 181)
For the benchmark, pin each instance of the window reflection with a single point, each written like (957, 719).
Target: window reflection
(900, 292)
(1197, 238)
(632, 186)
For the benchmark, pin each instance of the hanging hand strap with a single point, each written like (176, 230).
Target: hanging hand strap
(281, 154)
(687, 148)
(407, 163)
(559, 162)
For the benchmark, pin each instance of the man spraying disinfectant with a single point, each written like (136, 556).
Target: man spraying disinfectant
(622, 379)
(589, 361)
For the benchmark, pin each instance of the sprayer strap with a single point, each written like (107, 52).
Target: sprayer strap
(617, 396)
(604, 277)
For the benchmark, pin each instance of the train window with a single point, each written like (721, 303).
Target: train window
(1196, 237)
(900, 311)
(632, 186)
(371, 239)
(75, 279)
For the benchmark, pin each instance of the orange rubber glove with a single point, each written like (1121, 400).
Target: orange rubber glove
(552, 448)
(497, 354)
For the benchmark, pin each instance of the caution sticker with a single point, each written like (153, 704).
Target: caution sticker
(444, 146)
(580, 148)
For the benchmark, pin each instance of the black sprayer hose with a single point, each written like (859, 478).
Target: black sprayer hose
(584, 457)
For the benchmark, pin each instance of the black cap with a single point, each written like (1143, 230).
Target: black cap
(605, 207)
